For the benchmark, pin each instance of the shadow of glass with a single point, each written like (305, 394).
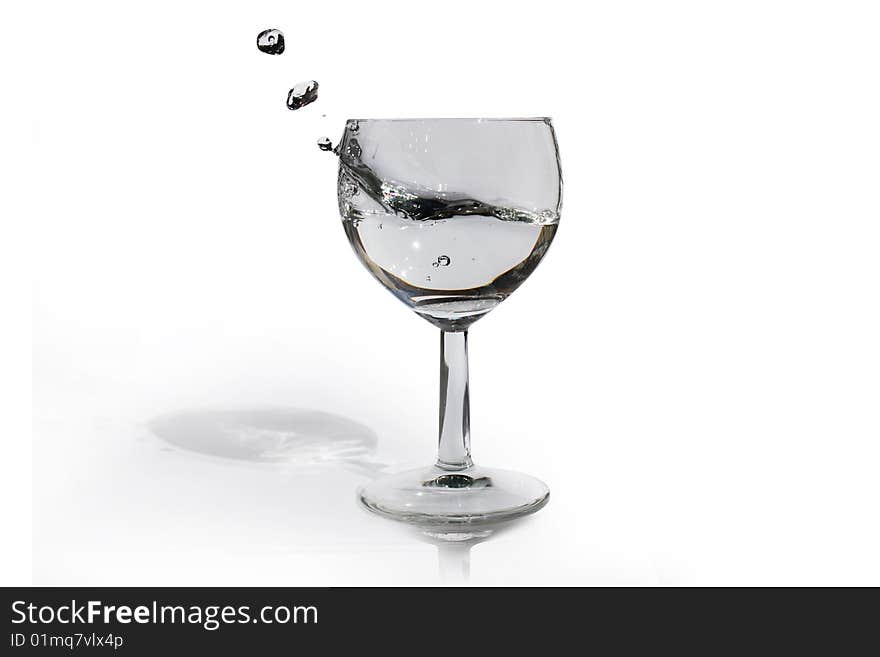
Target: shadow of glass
(289, 436)
(307, 438)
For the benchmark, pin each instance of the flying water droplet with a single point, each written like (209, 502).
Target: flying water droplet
(325, 144)
(271, 42)
(302, 94)
(442, 261)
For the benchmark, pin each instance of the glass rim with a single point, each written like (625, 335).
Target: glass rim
(478, 119)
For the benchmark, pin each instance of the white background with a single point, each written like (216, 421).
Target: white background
(694, 369)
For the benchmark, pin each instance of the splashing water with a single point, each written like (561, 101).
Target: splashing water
(271, 41)
(449, 256)
(302, 94)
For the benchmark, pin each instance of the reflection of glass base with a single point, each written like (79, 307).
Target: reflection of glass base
(455, 505)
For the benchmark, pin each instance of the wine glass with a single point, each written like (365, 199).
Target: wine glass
(451, 216)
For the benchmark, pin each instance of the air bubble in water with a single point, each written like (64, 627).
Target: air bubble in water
(325, 144)
(442, 261)
(302, 94)
(271, 41)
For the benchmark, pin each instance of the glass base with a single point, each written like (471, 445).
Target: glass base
(454, 505)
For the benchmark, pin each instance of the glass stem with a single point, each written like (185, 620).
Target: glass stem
(454, 452)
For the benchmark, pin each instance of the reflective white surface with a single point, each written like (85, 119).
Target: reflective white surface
(122, 504)
(692, 369)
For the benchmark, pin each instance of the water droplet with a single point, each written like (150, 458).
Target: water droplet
(271, 42)
(302, 94)
(325, 144)
(428, 278)
(380, 226)
(442, 261)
